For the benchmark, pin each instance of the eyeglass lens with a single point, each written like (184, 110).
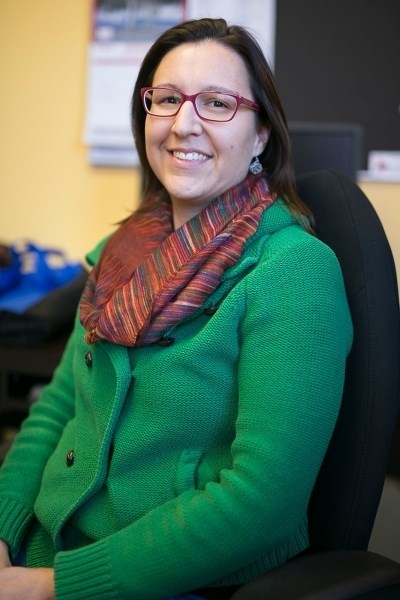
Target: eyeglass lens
(213, 106)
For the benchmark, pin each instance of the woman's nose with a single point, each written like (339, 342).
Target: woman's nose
(187, 121)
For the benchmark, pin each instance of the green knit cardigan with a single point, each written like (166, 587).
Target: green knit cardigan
(152, 471)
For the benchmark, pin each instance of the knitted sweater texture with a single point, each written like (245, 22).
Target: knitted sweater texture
(149, 472)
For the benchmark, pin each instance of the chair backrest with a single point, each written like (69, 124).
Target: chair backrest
(347, 493)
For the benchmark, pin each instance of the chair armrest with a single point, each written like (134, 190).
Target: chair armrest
(338, 575)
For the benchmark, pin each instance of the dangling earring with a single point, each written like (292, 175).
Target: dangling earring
(255, 166)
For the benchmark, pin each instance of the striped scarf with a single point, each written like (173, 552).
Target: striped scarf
(150, 277)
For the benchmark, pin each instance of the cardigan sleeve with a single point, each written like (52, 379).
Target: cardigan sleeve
(296, 334)
(20, 475)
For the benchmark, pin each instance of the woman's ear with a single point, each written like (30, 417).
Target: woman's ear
(261, 140)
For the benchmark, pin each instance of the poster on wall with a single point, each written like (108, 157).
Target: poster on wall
(122, 32)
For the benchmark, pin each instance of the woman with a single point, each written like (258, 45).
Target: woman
(177, 446)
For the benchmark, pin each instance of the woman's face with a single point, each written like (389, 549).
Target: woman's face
(197, 160)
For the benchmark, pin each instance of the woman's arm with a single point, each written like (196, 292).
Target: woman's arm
(21, 472)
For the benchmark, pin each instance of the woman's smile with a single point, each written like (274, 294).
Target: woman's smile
(189, 156)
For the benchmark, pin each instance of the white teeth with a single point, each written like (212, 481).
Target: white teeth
(189, 156)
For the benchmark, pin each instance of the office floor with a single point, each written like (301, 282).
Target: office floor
(385, 537)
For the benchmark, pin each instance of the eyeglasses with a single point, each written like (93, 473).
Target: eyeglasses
(210, 106)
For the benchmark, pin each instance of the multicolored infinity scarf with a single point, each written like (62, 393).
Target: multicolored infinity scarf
(150, 277)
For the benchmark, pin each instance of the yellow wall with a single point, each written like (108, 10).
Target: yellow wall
(48, 193)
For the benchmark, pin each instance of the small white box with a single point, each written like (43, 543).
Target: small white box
(382, 162)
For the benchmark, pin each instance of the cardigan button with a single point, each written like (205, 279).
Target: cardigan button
(70, 457)
(210, 310)
(88, 359)
(166, 341)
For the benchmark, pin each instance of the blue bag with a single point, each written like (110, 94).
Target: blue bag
(31, 273)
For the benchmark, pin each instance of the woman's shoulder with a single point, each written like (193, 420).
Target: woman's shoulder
(279, 229)
(284, 242)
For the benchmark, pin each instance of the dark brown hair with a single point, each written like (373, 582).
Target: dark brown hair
(276, 157)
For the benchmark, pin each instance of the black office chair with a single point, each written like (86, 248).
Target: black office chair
(345, 500)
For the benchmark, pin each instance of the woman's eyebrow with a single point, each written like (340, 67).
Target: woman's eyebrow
(208, 88)
(166, 84)
(219, 88)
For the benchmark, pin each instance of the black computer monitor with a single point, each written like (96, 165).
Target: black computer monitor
(318, 146)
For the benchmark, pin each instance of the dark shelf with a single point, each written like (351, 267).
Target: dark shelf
(22, 368)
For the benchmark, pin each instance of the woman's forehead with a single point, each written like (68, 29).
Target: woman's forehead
(208, 64)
